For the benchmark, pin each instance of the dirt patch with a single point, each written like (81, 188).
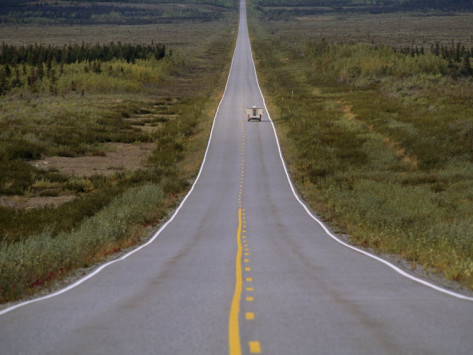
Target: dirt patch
(147, 128)
(120, 157)
(412, 161)
(348, 113)
(28, 203)
(313, 18)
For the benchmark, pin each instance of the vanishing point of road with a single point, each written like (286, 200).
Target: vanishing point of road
(242, 268)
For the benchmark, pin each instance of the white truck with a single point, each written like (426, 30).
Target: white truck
(254, 113)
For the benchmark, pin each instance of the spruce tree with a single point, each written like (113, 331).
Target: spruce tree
(40, 72)
(32, 78)
(467, 70)
(4, 82)
(17, 80)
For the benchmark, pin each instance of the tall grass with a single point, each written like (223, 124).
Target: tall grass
(37, 261)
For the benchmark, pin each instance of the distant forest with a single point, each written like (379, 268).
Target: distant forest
(134, 12)
(280, 9)
(226, 3)
(38, 54)
(393, 4)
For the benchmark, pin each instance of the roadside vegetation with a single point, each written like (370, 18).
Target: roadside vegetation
(378, 135)
(99, 140)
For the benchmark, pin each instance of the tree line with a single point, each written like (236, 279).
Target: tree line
(350, 60)
(77, 14)
(35, 54)
(27, 65)
(286, 9)
(372, 4)
(457, 55)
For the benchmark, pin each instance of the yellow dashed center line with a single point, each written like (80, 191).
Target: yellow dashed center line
(243, 251)
(255, 347)
(233, 326)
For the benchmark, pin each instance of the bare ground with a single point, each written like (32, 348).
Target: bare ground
(28, 203)
(120, 157)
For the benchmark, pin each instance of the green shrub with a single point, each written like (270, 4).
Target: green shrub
(37, 261)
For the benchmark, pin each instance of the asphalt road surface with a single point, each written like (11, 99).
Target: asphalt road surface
(242, 268)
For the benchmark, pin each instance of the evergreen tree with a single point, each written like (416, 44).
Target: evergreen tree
(467, 70)
(4, 82)
(458, 57)
(32, 79)
(16, 83)
(7, 71)
(49, 65)
(40, 71)
(52, 82)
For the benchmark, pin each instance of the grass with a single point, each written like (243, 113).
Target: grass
(174, 99)
(378, 143)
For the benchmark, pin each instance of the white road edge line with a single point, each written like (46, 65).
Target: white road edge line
(372, 256)
(155, 235)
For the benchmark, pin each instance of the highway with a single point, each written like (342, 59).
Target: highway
(242, 268)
